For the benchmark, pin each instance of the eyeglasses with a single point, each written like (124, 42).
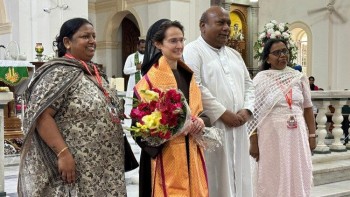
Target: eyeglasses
(278, 53)
(174, 41)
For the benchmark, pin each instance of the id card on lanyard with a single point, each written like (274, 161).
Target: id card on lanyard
(292, 119)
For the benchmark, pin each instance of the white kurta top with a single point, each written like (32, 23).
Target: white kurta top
(225, 85)
(130, 69)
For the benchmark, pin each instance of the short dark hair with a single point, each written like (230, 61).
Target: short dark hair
(156, 33)
(266, 52)
(312, 78)
(141, 41)
(204, 18)
(160, 34)
(68, 29)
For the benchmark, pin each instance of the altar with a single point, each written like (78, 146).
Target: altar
(16, 76)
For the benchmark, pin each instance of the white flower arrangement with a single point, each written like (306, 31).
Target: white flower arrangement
(272, 30)
(46, 58)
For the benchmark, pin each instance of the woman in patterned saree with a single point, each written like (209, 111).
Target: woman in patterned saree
(73, 137)
(176, 168)
(283, 125)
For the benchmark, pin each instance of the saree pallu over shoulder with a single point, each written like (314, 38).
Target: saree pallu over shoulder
(270, 87)
(179, 170)
(51, 86)
(44, 89)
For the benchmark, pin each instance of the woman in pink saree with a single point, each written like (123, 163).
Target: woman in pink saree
(283, 127)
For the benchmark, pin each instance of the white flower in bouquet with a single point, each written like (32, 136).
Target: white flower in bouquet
(275, 30)
(269, 25)
(270, 31)
(261, 50)
(278, 33)
(281, 26)
(285, 35)
(262, 36)
(273, 35)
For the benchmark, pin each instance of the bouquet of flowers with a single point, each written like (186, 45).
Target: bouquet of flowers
(273, 29)
(160, 116)
(163, 115)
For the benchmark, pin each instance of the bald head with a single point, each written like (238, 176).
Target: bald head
(210, 11)
(215, 26)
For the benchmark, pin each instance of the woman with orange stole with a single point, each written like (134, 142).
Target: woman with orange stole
(177, 167)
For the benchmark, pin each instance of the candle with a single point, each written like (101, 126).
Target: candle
(119, 84)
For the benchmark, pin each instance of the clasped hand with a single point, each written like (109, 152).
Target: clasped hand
(195, 126)
(138, 66)
(235, 120)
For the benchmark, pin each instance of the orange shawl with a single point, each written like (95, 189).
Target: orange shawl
(170, 173)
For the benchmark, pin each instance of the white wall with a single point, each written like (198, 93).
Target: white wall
(30, 24)
(330, 50)
(108, 21)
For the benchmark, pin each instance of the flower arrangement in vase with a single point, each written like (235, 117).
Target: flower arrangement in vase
(275, 30)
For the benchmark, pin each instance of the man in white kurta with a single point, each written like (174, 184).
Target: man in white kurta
(132, 67)
(228, 98)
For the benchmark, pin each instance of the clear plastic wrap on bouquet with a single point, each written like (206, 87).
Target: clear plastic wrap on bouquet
(210, 139)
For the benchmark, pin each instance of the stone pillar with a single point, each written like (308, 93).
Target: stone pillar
(337, 131)
(5, 97)
(321, 132)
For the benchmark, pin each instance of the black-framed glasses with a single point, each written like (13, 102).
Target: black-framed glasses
(278, 53)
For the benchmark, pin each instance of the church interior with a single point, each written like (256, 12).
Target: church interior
(318, 29)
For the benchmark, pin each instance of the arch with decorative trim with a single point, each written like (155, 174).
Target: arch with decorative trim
(301, 29)
(5, 26)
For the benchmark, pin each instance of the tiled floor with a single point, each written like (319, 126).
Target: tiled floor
(11, 174)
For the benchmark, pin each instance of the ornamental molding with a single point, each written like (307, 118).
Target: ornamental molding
(107, 45)
(5, 28)
(119, 5)
(106, 5)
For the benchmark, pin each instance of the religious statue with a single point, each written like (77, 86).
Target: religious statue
(236, 41)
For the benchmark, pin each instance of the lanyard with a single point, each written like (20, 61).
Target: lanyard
(97, 74)
(113, 113)
(289, 98)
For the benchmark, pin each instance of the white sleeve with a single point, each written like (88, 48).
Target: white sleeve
(249, 90)
(212, 108)
(129, 67)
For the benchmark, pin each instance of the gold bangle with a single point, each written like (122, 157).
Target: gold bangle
(254, 133)
(63, 149)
